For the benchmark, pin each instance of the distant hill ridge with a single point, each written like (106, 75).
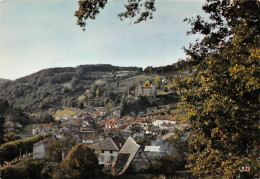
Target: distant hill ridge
(54, 87)
(89, 68)
(3, 81)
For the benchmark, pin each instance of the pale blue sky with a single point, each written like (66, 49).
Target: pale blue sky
(39, 34)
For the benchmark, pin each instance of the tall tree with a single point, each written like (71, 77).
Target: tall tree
(3, 108)
(221, 95)
(81, 162)
(55, 149)
(157, 81)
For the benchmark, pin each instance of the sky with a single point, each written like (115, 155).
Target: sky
(40, 34)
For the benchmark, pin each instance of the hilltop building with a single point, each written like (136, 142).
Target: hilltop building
(145, 91)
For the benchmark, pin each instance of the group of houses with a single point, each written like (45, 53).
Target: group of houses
(109, 136)
(95, 124)
(114, 153)
(10, 126)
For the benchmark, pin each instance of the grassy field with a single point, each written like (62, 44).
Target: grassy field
(82, 97)
(66, 111)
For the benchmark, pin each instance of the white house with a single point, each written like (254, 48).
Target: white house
(107, 150)
(164, 122)
(39, 149)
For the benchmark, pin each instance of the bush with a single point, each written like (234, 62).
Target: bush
(81, 162)
(12, 172)
(11, 150)
(33, 168)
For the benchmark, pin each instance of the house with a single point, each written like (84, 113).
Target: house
(165, 122)
(39, 149)
(130, 157)
(154, 130)
(9, 127)
(88, 126)
(145, 91)
(117, 113)
(90, 139)
(107, 150)
(37, 130)
(42, 129)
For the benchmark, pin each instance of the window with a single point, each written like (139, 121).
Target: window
(102, 151)
(112, 158)
(111, 151)
(102, 158)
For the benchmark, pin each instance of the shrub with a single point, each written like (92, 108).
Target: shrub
(11, 172)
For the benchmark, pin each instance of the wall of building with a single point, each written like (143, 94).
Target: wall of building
(39, 151)
(106, 157)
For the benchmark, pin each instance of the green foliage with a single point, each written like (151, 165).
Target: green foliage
(55, 148)
(157, 81)
(97, 92)
(175, 67)
(147, 84)
(3, 108)
(45, 118)
(11, 172)
(167, 164)
(11, 150)
(10, 136)
(80, 162)
(143, 9)
(221, 96)
(53, 88)
(179, 145)
(65, 111)
(33, 168)
(25, 169)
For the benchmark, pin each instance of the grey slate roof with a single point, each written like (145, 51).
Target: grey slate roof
(106, 144)
(129, 148)
(121, 160)
(119, 141)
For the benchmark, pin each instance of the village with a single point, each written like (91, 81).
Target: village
(111, 137)
(118, 141)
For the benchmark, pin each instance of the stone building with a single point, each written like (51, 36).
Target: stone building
(145, 91)
(107, 150)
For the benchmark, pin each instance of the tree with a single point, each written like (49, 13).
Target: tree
(179, 145)
(147, 84)
(11, 172)
(157, 81)
(55, 148)
(80, 162)
(137, 10)
(46, 118)
(3, 108)
(167, 164)
(221, 95)
(10, 152)
(97, 92)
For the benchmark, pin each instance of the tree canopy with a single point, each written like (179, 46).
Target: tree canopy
(80, 162)
(221, 95)
(55, 148)
(136, 10)
(3, 108)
